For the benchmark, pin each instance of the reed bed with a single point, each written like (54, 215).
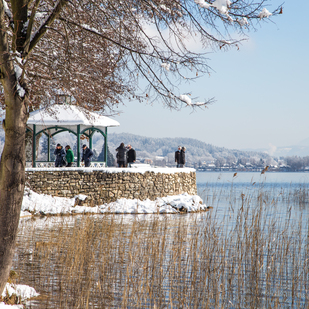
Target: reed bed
(255, 255)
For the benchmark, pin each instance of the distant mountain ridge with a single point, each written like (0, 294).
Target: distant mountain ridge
(166, 147)
(149, 147)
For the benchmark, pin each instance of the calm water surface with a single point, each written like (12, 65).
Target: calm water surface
(225, 192)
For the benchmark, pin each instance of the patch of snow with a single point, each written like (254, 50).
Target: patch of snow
(202, 4)
(243, 21)
(4, 306)
(221, 5)
(81, 197)
(7, 10)
(42, 204)
(264, 13)
(165, 8)
(23, 292)
(230, 19)
(40, 15)
(87, 27)
(36, 204)
(17, 68)
(185, 98)
(169, 204)
(20, 90)
(166, 66)
(141, 165)
(18, 72)
(140, 168)
(25, 26)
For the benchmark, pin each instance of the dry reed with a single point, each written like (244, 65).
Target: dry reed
(253, 256)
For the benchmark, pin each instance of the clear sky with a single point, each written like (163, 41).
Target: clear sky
(261, 91)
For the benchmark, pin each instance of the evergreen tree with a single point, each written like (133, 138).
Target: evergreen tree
(52, 147)
(110, 157)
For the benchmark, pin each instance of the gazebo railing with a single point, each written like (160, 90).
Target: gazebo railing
(51, 164)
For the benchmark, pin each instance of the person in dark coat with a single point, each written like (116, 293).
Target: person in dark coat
(182, 156)
(59, 153)
(131, 156)
(177, 156)
(87, 155)
(69, 155)
(121, 155)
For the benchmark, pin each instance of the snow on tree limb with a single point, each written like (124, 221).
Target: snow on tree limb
(264, 13)
(54, 30)
(48, 22)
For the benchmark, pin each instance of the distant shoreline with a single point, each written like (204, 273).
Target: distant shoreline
(250, 171)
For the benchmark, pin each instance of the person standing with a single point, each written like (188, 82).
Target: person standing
(177, 156)
(182, 157)
(87, 155)
(131, 155)
(121, 155)
(69, 155)
(59, 153)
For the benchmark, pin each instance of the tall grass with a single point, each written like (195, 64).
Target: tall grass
(255, 256)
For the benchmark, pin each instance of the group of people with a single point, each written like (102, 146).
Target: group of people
(126, 156)
(180, 156)
(66, 157)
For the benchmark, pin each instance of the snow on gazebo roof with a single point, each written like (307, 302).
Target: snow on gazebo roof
(65, 115)
(59, 118)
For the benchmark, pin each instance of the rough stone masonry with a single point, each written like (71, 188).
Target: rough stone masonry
(107, 185)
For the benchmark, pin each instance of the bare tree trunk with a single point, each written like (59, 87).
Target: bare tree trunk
(12, 164)
(12, 181)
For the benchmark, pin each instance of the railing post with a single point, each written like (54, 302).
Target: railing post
(48, 148)
(34, 146)
(105, 147)
(78, 145)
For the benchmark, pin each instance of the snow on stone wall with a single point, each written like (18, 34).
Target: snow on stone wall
(103, 186)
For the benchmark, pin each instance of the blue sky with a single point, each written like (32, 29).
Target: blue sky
(261, 91)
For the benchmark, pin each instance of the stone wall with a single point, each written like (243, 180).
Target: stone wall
(107, 185)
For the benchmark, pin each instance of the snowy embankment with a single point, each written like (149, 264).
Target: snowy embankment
(42, 204)
(23, 292)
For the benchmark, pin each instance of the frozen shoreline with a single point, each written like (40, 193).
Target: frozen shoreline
(23, 292)
(42, 204)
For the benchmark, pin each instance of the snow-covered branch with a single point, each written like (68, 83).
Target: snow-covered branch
(47, 23)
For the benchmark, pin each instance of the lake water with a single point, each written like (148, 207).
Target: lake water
(250, 251)
(223, 189)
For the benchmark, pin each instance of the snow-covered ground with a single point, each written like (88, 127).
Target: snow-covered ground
(136, 168)
(23, 292)
(42, 204)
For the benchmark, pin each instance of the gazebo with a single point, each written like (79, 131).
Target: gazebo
(59, 118)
